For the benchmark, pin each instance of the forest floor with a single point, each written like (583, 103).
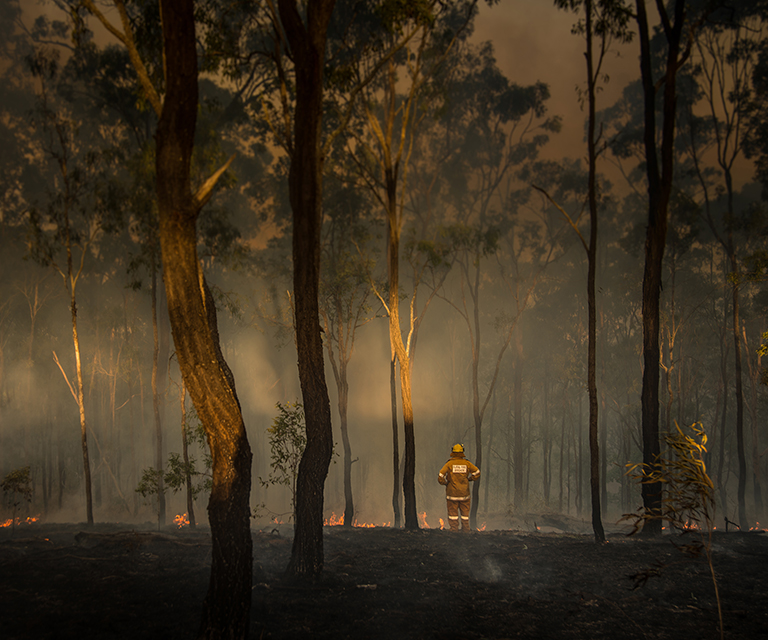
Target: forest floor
(62, 581)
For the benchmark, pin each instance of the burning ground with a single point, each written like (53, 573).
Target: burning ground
(59, 581)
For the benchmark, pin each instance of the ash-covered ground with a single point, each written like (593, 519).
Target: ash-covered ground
(119, 581)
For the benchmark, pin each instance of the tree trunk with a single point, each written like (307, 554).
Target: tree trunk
(226, 610)
(305, 189)
(753, 375)
(517, 454)
(349, 505)
(185, 455)
(594, 447)
(156, 396)
(743, 521)
(659, 188)
(395, 440)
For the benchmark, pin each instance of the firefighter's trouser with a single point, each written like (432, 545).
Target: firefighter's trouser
(454, 507)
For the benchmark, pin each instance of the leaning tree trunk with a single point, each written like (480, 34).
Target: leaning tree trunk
(517, 451)
(305, 189)
(226, 610)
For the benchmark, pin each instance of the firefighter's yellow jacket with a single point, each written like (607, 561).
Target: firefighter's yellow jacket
(456, 475)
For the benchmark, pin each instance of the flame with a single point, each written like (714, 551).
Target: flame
(337, 521)
(334, 521)
(481, 527)
(442, 523)
(423, 520)
(17, 521)
(181, 521)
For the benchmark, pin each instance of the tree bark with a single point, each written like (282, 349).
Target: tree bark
(659, 189)
(395, 440)
(594, 446)
(156, 395)
(305, 189)
(517, 452)
(226, 610)
(185, 454)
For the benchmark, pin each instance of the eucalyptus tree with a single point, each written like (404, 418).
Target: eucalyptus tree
(345, 300)
(605, 21)
(659, 161)
(385, 125)
(495, 127)
(725, 58)
(226, 611)
(72, 219)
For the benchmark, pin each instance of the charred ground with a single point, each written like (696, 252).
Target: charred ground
(112, 581)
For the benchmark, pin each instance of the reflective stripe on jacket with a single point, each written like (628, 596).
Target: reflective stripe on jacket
(456, 475)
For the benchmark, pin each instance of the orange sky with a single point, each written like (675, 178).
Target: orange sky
(533, 41)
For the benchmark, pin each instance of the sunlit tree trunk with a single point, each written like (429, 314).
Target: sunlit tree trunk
(226, 610)
(396, 489)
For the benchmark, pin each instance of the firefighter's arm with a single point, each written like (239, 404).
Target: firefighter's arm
(474, 475)
(442, 477)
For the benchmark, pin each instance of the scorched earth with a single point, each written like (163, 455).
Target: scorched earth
(120, 581)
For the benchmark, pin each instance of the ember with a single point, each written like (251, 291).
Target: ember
(181, 520)
(17, 521)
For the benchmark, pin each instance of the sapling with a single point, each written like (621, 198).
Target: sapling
(287, 439)
(688, 502)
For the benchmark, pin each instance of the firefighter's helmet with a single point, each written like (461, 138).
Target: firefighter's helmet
(458, 448)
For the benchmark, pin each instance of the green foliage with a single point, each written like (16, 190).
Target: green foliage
(287, 439)
(17, 488)
(149, 485)
(176, 470)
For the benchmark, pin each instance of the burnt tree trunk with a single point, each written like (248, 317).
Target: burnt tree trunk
(226, 610)
(594, 446)
(156, 393)
(659, 189)
(307, 44)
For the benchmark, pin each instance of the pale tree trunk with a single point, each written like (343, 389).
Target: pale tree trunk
(396, 491)
(81, 407)
(337, 334)
(403, 359)
(517, 453)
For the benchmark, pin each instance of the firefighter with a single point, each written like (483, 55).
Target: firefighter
(456, 475)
